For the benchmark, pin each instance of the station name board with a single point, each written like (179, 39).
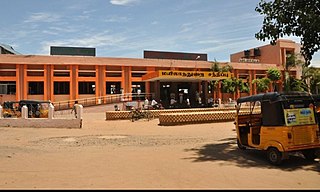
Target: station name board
(195, 74)
(246, 60)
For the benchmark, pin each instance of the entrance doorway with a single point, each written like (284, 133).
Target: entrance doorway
(179, 91)
(165, 94)
(183, 94)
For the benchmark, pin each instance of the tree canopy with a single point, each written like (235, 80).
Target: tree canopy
(262, 84)
(274, 75)
(299, 18)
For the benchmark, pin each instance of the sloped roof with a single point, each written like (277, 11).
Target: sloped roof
(9, 48)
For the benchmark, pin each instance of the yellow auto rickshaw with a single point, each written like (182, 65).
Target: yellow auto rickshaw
(280, 124)
(36, 108)
(11, 109)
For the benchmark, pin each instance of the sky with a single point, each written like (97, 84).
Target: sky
(125, 28)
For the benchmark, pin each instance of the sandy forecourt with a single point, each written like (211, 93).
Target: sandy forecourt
(141, 155)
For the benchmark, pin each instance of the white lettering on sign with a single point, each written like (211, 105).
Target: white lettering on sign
(246, 60)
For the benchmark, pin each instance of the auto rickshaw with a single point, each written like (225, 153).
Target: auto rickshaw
(280, 124)
(36, 108)
(10, 109)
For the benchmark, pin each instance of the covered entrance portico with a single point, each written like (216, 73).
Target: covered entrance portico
(186, 88)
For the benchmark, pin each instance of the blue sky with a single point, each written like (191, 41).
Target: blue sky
(124, 28)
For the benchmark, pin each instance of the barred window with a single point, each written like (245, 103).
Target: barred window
(8, 87)
(61, 88)
(87, 88)
(36, 88)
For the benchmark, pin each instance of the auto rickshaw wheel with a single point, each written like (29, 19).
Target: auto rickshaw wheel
(309, 154)
(274, 156)
(240, 146)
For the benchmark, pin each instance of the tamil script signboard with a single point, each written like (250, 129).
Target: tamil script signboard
(195, 74)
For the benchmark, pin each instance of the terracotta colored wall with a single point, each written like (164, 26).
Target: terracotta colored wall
(270, 56)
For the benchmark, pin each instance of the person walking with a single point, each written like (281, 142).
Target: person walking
(74, 109)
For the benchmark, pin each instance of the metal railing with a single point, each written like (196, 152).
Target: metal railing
(108, 99)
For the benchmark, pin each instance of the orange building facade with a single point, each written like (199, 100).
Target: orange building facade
(61, 78)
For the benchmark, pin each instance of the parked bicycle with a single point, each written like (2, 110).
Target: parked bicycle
(138, 113)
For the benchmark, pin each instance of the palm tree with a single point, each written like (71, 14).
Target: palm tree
(292, 60)
(215, 66)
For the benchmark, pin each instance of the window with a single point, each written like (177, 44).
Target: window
(36, 88)
(113, 74)
(7, 73)
(87, 74)
(113, 87)
(61, 74)
(138, 71)
(35, 70)
(35, 73)
(87, 88)
(8, 87)
(136, 74)
(61, 88)
(138, 87)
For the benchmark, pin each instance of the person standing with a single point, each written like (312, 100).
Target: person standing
(146, 103)
(154, 104)
(188, 102)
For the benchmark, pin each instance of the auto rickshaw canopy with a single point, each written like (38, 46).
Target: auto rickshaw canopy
(276, 106)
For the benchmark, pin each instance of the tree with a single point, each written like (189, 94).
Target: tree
(242, 86)
(232, 85)
(292, 60)
(217, 68)
(274, 75)
(311, 78)
(262, 84)
(228, 85)
(299, 18)
(297, 84)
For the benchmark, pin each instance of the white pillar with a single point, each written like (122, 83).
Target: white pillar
(1, 111)
(51, 111)
(24, 112)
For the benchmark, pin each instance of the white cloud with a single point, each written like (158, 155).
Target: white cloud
(98, 40)
(42, 17)
(154, 22)
(115, 18)
(65, 29)
(187, 27)
(123, 2)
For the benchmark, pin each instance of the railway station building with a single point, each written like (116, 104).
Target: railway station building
(72, 73)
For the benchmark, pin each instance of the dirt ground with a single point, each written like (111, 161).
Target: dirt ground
(141, 155)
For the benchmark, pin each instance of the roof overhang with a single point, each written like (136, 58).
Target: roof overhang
(185, 76)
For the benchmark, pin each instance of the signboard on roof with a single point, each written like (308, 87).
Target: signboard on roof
(195, 74)
(75, 51)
